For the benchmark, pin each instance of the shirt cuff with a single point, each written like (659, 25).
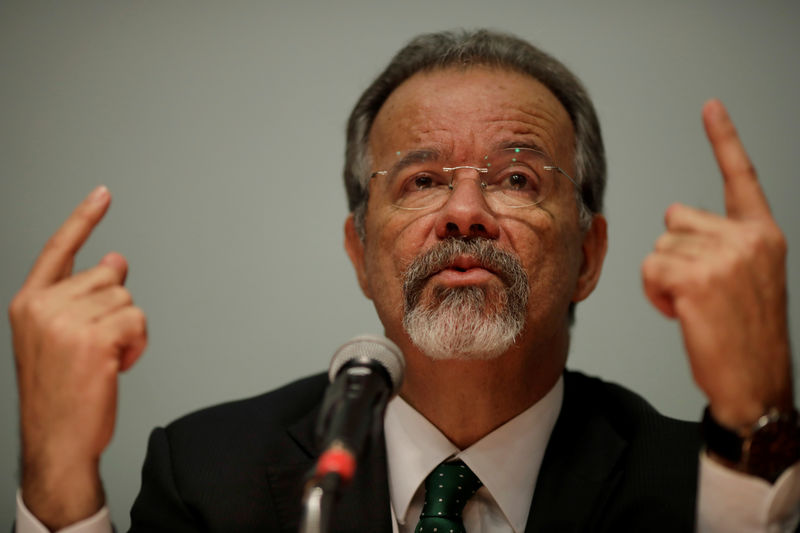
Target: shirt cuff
(732, 502)
(100, 522)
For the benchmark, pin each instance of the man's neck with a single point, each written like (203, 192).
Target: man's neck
(467, 399)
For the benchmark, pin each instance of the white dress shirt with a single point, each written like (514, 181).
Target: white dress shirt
(507, 461)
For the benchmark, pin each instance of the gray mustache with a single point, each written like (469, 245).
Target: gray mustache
(440, 256)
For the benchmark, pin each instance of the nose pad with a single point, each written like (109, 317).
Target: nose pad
(481, 184)
(477, 178)
(467, 212)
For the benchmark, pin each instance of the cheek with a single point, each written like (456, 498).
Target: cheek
(551, 258)
(393, 241)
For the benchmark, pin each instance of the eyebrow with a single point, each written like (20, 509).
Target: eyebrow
(414, 157)
(520, 144)
(421, 155)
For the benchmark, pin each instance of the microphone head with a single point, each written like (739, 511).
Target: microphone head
(371, 348)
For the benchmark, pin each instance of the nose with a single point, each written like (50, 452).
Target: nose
(466, 212)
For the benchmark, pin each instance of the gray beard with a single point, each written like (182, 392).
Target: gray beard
(465, 322)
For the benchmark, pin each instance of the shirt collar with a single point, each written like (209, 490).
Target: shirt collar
(507, 460)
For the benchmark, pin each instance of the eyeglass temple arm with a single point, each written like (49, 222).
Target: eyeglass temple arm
(559, 169)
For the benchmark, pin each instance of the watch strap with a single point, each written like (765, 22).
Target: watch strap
(770, 446)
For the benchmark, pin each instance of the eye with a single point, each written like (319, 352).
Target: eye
(421, 182)
(517, 181)
(419, 189)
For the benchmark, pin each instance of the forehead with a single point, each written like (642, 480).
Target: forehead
(462, 113)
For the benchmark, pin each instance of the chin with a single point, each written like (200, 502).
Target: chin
(439, 352)
(461, 325)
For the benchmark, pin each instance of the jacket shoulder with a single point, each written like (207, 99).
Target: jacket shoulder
(278, 407)
(627, 412)
(232, 466)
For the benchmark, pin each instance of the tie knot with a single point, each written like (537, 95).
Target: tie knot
(447, 490)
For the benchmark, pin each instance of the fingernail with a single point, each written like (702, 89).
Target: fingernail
(100, 193)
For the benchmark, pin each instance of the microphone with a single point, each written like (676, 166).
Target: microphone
(364, 374)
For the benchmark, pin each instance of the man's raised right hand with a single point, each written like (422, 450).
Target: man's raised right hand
(72, 335)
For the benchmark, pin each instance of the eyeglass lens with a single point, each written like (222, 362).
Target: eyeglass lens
(515, 177)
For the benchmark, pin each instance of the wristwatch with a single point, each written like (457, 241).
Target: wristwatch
(768, 448)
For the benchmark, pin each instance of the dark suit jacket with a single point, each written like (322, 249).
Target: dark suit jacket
(612, 464)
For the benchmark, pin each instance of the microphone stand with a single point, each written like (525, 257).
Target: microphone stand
(334, 470)
(318, 497)
(352, 411)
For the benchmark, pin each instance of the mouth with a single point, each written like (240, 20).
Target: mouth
(459, 263)
(464, 270)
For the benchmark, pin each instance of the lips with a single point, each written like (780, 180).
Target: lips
(463, 262)
(464, 270)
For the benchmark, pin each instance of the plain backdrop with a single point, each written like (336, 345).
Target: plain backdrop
(218, 127)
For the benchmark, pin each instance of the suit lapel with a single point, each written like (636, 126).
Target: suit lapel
(286, 478)
(362, 506)
(580, 467)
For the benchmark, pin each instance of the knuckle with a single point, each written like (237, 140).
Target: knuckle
(673, 214)
(92, 341)
(105, 275)
(121, 295)
(650, 268)
(776, 240)
(701, 281)
(61, 327)
(700, 277)
(140, 319)
(16, 306)
(760, 240)
(662, 242)
(781, 245)
(34, 307)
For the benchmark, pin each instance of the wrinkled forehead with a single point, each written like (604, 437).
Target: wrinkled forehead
(465, 114)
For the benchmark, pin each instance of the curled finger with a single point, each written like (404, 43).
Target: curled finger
(684, 244)
(683, 218)
(92, 279)
(96, 306)
(127, 330)
(662, 275)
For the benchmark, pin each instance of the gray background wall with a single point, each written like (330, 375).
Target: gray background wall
(218, 128)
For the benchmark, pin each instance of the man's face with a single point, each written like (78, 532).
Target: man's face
(464, 115)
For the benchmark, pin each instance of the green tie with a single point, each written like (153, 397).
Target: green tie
(447, 490)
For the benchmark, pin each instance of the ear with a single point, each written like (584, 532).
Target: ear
(355, 250)
(595, 244)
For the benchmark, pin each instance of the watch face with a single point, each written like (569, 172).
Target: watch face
(773, 447)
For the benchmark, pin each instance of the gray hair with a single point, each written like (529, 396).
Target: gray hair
(463, 49)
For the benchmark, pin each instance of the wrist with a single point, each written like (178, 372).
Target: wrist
(765, 448)
(60, 495)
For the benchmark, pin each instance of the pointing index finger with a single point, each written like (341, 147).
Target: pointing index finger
(55, 260)
(744, 197)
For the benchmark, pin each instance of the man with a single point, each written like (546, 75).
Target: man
(475, 174)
